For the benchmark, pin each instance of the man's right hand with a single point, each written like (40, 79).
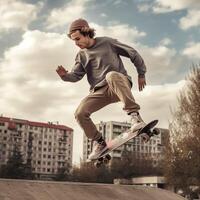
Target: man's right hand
(61, 71)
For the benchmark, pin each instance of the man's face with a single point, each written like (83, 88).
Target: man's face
(80, 40)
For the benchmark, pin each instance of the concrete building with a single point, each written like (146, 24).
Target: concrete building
(112, 129)
(47, 147)
(152, 181)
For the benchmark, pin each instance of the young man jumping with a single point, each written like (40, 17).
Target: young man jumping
(99, 58)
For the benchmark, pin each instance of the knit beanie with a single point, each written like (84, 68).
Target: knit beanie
(78, 24)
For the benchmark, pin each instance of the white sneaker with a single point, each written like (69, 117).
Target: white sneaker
(136, 121)
(97, 149)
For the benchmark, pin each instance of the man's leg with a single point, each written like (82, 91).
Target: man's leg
(120, 86)
(92, 103)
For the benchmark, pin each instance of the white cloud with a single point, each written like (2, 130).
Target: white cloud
(104, 15)
(163, 97)
(192, 19)
(35, 56)
(166, 42)
(144, 7)
(162, 62)
(162, 6)
(16, 14)
(63, 16)
(117, 30)
(119, 2)
(192, 50)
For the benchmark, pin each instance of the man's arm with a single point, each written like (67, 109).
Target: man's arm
(136, 59)
(75, 75)
(127, 51)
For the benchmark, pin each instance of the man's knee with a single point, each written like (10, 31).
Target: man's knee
(80, 114)
(112, 75)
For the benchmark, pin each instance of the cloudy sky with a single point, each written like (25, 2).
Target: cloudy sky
(34, 42)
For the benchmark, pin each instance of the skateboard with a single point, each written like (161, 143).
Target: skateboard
(146, 133)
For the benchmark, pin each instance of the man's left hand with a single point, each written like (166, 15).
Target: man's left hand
(141, 83)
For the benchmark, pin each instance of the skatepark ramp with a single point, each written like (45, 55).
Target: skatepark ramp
(43, 190)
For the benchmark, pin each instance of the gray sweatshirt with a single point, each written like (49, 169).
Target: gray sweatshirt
(101, 58)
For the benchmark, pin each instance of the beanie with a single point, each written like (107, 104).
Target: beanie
(78, 24)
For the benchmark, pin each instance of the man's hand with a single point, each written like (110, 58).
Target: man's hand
(141, 83)
(61, 71)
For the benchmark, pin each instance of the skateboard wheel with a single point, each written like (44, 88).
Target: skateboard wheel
(156, 131)
(100, 159)
(145, 137)
(98, 164)
(108, 157)
(105, 161)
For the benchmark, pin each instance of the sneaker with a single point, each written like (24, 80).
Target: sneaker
(136, 121)
(97, 149)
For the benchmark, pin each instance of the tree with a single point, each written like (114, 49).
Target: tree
(183, 152)
(64, 173)
(14, 167)
(87, 172)
(130, 165)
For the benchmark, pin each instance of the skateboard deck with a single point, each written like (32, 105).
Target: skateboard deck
(124, 137)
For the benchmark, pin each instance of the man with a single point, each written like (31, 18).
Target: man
(99, 58)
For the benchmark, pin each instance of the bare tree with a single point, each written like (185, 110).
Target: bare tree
(183, 151)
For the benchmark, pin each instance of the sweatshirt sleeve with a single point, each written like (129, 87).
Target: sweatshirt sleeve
(127, 51)
(77, 72)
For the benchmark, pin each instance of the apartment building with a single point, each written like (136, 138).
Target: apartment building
(112, 129)
(47, 147)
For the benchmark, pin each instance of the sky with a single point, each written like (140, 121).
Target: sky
(33, 42)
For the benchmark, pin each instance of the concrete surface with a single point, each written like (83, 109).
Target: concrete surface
(42, 190)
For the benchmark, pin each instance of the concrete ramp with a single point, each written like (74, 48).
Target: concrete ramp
(40, 190)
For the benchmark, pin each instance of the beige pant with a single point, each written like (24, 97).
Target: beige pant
(117, 89)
